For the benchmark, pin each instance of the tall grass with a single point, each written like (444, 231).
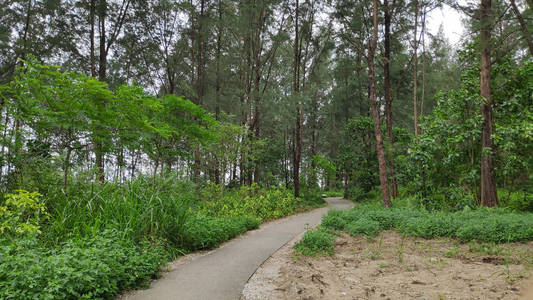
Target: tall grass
(138, 210)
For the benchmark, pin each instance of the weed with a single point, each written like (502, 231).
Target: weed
(316, 242)
(400, 249)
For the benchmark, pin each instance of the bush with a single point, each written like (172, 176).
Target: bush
(334, 220)
(263, 203)
(312, 197)
(334, 193)
(89, 268)
(22, 214)
(204, 232)
(316, 242)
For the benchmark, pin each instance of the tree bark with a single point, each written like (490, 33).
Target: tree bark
(66, 168)
(415, 71)
(388, 101)
(299, 109)
(217, 83)
(92, 12)
(523, 26)
(489, 196)
(375, 111)
(199, 83)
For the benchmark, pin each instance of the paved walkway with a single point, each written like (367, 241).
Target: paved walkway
(222, 273)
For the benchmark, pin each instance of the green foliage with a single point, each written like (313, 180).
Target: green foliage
(87, 268)
(312, 197)
(363, 226)
(138, 209)
(205, 232)
(316, 242)
(262, 203)
(334, 193)
(22, 213)
(101, 239)
(487, 225)
(442, 165)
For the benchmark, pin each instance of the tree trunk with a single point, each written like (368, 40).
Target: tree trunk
(66, 168)
(102, 64)
(523, 25)
(423, 96)
(489, 196)
(388, 101)
(199, 84)
(299, 109)
(217, 84)
(92, 12)
(415, 66)
(375, 112)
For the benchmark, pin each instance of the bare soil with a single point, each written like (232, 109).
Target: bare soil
(395, 267)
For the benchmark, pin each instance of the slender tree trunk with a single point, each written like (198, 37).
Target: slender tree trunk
(217, 84)
(299, 110)
(523, 26)
(92, 12)
(102, 66)
(66, 168)
(375, 111)
(489, 196)
(102, 63)
(422, 98)
(415, 71)
(199, 83)
(388, 101)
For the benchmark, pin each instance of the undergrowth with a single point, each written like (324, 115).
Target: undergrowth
(93, 241)
(486, 225)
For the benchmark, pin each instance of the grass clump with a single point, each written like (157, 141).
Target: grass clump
(484, 225)
(316, 242)
(363, 226)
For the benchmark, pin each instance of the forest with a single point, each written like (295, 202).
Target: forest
(133, 132)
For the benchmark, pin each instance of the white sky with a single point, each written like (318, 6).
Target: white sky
(451, 21)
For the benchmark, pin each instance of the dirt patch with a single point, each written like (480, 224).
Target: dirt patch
(395, 267)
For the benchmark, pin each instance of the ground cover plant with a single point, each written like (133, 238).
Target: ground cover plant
(485, 225)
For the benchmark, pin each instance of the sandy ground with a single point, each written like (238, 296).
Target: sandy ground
(382, 268)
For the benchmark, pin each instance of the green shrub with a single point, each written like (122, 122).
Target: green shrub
(334, 220)
(355, 193)
(312, 197)
(363, 226)
(263, 203)
(88, 268)
(205, 232)
(316, 242)
(22, 213)
(334, 193)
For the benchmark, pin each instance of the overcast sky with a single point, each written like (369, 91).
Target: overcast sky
(451, 21)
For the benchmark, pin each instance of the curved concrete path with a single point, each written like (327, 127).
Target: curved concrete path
(222, 273)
